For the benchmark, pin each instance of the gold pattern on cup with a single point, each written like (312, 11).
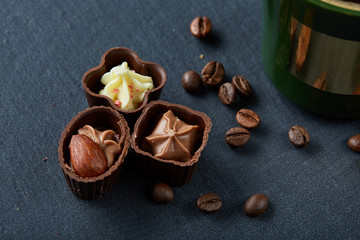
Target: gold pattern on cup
(303, 46)
(320, 82)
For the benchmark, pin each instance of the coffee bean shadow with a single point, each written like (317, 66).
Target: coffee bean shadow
(212, 90)
(213, 39)
(245, 102)
(200, 94)
(247, 150)
(357, 164)
(310, 150)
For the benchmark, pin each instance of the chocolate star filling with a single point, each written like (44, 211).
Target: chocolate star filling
(172, 138)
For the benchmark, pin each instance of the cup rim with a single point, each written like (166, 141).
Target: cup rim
(334, 8)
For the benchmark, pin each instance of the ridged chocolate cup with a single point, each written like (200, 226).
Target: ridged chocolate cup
(173, 172)
(97, 117)
(113, 57)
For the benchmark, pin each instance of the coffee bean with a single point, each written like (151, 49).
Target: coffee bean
(256, 205)
(227, 93)
(298, 136)
(247, 118)
(162, 193)
(237, 136)
(191, 82)
(209, 203)
(200, 27)
(354, 143)
(213, 73)
(242, 85)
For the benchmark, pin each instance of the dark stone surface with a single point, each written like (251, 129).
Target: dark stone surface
(46, 47)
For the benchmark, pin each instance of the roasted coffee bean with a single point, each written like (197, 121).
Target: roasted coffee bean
(209, 203)
(298, 136)
(200, 27)
(256, 205)
(242, 85)
(227, 93)
(247, 118)
(191, 82)
(354, 143)
(213, 73)
(162, 193)
(237, 136)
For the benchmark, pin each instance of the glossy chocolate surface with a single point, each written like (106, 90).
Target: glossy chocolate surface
(172, 138)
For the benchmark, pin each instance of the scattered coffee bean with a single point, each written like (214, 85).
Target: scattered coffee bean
(227, 93)
(191, 82)
(298, 136)
(209, 203)
(162, 193)
(247, 118)
(256, 205)
(201, 27)
(242, 85)
(354, 143)
(213, 73)
(237, 136)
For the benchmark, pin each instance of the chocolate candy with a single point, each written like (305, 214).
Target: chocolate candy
(298, 136)
(91, 81)
(256, 205)
(172, 138)
(247, 118)
(201, 27)
(227, 93)
(209, 203)
(162, 193)
(191, 82)
(171, 171)
(213, 73)
(237, 136)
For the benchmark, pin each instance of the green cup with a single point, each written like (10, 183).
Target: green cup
(311, 53)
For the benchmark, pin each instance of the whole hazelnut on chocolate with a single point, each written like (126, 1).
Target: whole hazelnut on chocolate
(86, 157)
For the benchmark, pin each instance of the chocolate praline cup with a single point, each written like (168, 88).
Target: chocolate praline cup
(173, 172)
(102, 118)
(113, 57)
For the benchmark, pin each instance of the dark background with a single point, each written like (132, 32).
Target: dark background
(46, 47)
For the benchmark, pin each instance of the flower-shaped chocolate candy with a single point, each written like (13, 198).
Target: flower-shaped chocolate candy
(172, 138)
